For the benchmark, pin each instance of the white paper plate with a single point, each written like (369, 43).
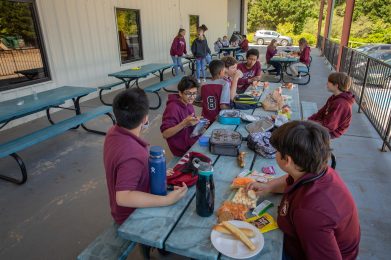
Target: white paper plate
(232, 247)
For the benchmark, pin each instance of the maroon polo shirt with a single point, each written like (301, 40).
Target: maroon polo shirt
(125, 157)
(319, 219)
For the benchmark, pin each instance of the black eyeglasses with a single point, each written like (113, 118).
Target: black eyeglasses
(190, 94)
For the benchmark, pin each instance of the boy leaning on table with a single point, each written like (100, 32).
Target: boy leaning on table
(125, 157)
(317, 213)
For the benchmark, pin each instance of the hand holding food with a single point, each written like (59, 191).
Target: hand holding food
(259, 188)
(240, 235)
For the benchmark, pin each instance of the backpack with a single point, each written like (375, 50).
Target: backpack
(260, 143)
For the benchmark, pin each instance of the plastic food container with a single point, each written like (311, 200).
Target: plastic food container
(229, 117)
(204, 141)
(263, 125)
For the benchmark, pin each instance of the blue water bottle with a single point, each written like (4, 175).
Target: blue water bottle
(157, 171)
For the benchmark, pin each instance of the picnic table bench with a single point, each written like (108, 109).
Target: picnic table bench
(23, 106)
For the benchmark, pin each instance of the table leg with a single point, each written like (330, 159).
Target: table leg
(145, 251)
(22, 167)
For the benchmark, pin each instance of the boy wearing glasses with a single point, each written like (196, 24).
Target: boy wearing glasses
(179, 117)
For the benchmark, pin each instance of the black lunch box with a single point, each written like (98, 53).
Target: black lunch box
(225, 142)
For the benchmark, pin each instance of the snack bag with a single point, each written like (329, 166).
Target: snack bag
(264, 223)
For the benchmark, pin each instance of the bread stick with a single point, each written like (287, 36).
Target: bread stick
(222, 229)
(240, 235)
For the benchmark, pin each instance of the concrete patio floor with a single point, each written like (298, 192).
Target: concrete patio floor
(64, 206)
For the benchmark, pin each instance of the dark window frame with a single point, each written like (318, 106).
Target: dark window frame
(138, 21)
(41, 46)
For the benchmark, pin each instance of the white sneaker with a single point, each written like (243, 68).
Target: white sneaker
(203, 80)
(198, 80)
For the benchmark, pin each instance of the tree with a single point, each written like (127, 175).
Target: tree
(269, 14)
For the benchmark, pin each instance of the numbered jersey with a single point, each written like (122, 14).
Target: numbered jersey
(213, 94)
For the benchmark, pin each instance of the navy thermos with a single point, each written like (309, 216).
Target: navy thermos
(157, 171)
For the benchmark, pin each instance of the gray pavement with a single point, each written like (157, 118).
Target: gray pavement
(63, 206)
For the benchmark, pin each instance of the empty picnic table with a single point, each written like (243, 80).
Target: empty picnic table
(44, 101)
(234, 49)
(178, 228)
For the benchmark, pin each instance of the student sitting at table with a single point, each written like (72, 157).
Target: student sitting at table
(270, 52)
(232, 75)
(200, 50)
(218, 45)
(336, 114)
(305, 56)
(251, 70)
(243, 44)
(215, 93)
(179, 117)
(317, 213)
(125, 157)
(225, 41)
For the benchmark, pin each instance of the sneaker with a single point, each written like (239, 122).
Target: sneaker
(198, 80)
(203, 80)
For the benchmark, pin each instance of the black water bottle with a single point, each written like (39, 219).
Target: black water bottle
(205, 188)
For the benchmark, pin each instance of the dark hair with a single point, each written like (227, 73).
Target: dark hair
(302, 41)
(187, 82)
(306, 142)
(229, 61)
(179, 32)
(271, 44)
(203, 27)
(130, 107)
(254, 52)
(341, 79)
(244, 36)
(215, 67)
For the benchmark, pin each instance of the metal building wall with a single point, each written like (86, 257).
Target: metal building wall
(82, 43)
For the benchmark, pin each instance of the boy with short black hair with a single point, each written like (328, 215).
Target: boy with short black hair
(336, 114)
(317, 213)
(179, 117)
(251, 70)
(215, 94)
(125, 157)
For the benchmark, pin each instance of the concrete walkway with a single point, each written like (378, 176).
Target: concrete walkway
(63, 206)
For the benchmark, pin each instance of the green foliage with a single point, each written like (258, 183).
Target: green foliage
(371, 19)
(264, 14)
(16, 21)
(127, 22)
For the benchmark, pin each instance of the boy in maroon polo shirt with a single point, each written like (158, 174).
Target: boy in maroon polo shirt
(179, 117)
(251, 70)
(125, 156)
(215, 94)
(336, 114)
(317, 213)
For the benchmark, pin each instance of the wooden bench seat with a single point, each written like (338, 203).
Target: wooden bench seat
(154, 88)
(21, 143)
(108, 246)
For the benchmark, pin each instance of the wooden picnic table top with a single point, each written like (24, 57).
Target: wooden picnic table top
(27, 105)
(143, 71)
(178, 228)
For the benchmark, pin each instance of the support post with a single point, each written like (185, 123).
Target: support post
(347, 21)
(328, 22)
(320, 19)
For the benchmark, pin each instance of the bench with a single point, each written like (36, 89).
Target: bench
(304, 71)
(108, 246)
(308, 109)
(154, 88)
(11, 148)
(108, 87)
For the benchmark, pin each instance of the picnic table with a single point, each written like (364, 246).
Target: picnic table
(228, 49)
(178, 228)
(44, 101)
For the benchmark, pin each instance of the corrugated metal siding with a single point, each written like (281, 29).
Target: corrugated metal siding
(82, 43)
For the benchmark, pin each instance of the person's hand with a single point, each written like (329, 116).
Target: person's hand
(238, 74)
(190, 121)
(259, 188)
(177, 194)
(169, 172)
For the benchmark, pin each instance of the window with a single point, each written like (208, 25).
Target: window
(22, 53)
(129, 35)
(194, 24)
